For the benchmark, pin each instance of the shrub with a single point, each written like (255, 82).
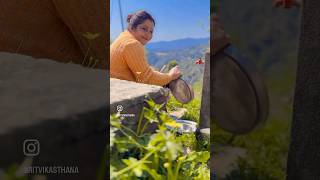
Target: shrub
(161, 155)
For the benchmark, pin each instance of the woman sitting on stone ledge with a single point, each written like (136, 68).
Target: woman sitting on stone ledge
(127, 54)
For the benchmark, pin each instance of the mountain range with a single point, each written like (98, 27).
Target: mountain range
(177, 44)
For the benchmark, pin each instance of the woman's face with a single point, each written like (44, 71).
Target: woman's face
(143, 32)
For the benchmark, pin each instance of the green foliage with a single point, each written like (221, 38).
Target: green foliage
(246, 171)
(173, 104)
(193, 111)
(11, 173)
(193, 107)
(172, 64)
(266, 151)
(190, 141)
(161, 155)
(89, 61)
(197, 88)
(19, 171)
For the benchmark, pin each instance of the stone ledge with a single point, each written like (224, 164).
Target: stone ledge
(128, 93)
(131, 96)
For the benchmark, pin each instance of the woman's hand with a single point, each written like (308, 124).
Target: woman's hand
(175, 72)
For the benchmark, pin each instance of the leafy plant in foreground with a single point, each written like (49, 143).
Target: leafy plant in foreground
(136, 154)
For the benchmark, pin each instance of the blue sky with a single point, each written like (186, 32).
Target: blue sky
(175, 19)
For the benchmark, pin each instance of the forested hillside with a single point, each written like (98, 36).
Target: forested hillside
(185, 52)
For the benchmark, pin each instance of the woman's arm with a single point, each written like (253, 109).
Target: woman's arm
(135, 58)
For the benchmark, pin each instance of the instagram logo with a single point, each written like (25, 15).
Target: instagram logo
(31, 147)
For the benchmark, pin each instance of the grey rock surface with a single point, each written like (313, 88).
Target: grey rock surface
(131, 97)
(225, 160)
(63, 106)
(128, 93)
(33, 91)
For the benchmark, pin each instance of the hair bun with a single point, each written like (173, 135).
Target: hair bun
(129, 17)
(137, 18)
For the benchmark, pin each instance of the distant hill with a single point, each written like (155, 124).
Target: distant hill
(176, 44)
(159, 58)
(184, 51)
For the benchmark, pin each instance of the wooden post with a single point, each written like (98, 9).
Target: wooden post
(205, 102)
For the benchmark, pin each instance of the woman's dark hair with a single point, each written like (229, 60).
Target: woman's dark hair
(137, 18)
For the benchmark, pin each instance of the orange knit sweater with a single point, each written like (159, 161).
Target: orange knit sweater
(128, 62)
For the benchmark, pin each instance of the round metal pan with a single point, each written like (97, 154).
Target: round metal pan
(240, 99)
(181, 90)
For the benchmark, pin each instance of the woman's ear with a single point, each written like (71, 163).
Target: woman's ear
(130, 28)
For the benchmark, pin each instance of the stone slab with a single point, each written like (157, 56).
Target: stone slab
(60, 105)
(132, 96)
(128, 93)
(224, 161)
(34, 91)
(178, 113)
